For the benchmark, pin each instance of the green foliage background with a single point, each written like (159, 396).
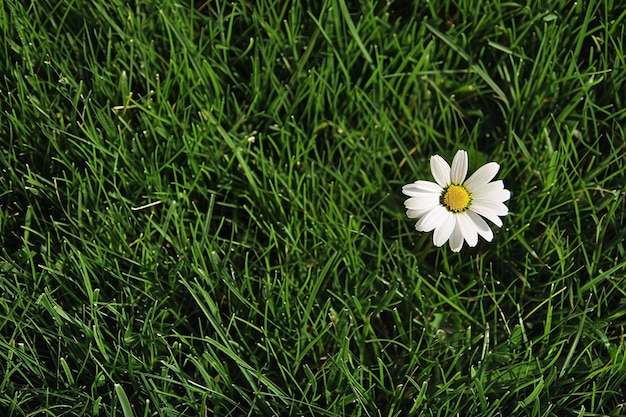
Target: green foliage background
(200, 208)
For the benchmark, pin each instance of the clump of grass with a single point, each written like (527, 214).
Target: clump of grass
(200, 209)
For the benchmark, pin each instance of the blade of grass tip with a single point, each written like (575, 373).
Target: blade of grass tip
(252, 179)
(147, 409)
(508, 51)
(67, 371)
(456, 48)
(95, 410)
(121, 396)
(307, 53)
(574, 343)
(525, 403)
(473, 67)
(354, 32)
(421, 396)
(450, 302)
(490, 82)
(320, 27)
(86, 279)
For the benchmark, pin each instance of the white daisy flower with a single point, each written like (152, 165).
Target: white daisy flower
(453, 206)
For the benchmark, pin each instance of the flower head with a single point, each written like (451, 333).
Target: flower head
(452, 206)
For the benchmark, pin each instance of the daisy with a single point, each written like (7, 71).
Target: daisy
(453, 206)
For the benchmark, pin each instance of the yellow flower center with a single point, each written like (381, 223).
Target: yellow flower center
(456, 198)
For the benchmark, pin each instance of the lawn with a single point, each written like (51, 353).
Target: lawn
(201, 208)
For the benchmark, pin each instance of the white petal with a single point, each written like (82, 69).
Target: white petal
(498, 196)
(421, 189)
(456, 239)
(415, 203)
(481, 225)
(482, 176)
(417, 207)
(469, 229)
(489, 210)
(431, 219)
(491, 191)
(415, 214)
(459, 167)
(444, 229)
(478, 189)
(441, 170)
(499, 209)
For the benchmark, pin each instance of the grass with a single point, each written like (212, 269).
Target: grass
(200, 208)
